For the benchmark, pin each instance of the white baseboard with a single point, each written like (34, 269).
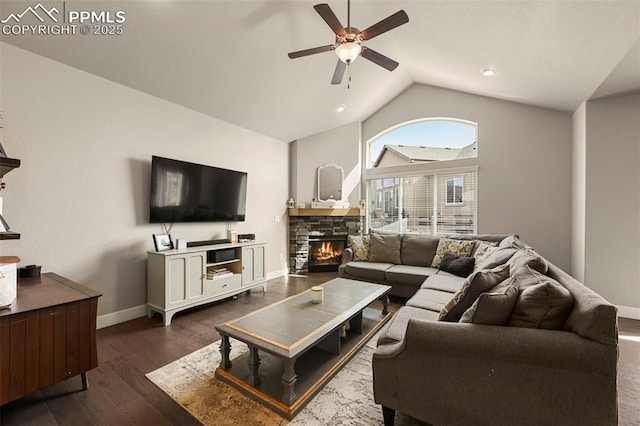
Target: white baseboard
(277, 274)
(629, 312)
(114, 318)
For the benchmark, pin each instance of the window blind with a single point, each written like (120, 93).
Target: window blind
(430, 203)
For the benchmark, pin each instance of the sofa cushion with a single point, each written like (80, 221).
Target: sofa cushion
(528, 257)
(457, 247)
(449, 283)
(359, 244)
(432, 300)
(418, 250)
(493, 307)
(483, 252)
(542, 302)
(479, 282)
(374, 271)
(409, 275)
(497, 258)
(461, 266)
(385, 248)
(395, 329)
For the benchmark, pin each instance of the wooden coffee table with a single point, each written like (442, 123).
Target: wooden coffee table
(296, 346)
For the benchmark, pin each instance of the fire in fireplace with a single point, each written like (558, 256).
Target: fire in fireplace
(325, 253)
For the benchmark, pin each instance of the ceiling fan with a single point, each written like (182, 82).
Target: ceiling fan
(348, 45)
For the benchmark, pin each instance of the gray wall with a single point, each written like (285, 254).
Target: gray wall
(340, 146)
(81, 197)
(524, 160)
(612, 200)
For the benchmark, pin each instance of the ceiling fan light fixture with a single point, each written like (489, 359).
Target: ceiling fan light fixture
(348, 51)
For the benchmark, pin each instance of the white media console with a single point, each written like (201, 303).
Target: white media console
(183, 278)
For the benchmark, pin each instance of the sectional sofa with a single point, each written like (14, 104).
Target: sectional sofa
(517, 341)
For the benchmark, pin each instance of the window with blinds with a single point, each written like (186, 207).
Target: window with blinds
(435, 203)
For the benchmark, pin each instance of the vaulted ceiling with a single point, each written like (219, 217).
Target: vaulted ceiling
(228, 59)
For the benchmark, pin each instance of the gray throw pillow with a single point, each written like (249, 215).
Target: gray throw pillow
(497, 258)
(460, 266)
(542, 302)
(527, 257)
(384, 248)
(493, 307)
(479, 282)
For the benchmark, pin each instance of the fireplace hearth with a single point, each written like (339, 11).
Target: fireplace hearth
(325, 252)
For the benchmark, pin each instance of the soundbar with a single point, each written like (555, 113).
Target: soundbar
(207, 242)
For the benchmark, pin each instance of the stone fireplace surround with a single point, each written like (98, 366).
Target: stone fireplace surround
(318, 222)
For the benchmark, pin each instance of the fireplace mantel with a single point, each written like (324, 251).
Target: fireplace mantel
(353, 211)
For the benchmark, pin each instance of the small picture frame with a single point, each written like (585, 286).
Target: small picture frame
(3, 153)
(4, 226)
(162, 242)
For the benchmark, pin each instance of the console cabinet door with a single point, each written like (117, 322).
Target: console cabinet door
(253, 265)
(186, 278)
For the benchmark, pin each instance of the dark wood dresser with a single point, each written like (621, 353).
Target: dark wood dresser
(47, 335)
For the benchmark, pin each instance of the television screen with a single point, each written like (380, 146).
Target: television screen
(189, 192)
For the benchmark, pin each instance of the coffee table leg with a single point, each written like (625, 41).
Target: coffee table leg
(289, 379)
(225, 349)
(254, 363)
(385, 304)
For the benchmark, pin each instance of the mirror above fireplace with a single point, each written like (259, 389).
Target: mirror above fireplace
(330, 177)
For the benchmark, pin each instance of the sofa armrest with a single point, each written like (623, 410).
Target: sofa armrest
(453, 373)
(347, 255)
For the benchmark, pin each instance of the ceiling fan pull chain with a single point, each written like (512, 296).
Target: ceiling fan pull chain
(348, 75)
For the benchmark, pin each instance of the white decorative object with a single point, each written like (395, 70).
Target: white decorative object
(8, 284)
(330, 177)
(317, 294)
(181, 243)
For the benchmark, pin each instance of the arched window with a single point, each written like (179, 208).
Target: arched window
(423, 141)
(421, 177)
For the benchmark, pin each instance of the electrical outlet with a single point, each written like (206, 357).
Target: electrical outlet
(281, 256)
(277, 219)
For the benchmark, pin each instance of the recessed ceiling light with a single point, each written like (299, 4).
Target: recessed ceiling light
(488, 72)
(340, 108)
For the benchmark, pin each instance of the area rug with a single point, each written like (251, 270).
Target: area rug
(346, 400)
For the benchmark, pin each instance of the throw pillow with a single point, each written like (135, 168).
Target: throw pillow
(483, 251)
(542, 303)
(478, 283)
(528, 257)
(460, 266)
(384, 248)
(512, 241)
(360, 246)
(497, 258)
(462, 248)
(493, 307)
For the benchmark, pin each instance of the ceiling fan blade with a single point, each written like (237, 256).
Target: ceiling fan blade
(389, 23)
(339, 72)
(330, 18)
(313, 51)
(379, 59)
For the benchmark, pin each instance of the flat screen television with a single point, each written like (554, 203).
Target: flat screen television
(189, 192)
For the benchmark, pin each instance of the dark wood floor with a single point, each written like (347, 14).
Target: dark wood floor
(120, 394)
